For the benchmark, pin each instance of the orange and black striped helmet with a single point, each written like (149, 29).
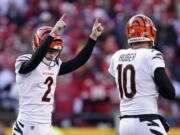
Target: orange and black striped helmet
(41, 34)
(140, 28)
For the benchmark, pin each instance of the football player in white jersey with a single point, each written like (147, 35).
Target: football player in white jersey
(36, 77)
(140, 76)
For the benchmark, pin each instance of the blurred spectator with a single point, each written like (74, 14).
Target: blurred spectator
(6, 81)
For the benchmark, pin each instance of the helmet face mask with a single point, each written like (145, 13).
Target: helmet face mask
(140, 28)
(52, 54)
(51, 50)
(41, 34)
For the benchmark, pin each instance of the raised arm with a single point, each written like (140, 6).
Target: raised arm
(41, 51)
(85, 53)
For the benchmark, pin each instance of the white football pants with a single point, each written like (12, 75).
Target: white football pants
(133, 126)
(28, 128)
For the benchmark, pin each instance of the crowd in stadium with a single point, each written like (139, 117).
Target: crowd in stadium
(90, 89)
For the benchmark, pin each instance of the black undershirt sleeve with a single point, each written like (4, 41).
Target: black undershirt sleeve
(37, 57)
(166, 89)
(79, 60)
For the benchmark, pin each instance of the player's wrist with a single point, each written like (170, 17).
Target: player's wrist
(93, 37)
(52, 33)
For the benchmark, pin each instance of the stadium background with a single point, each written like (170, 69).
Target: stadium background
(86, 100)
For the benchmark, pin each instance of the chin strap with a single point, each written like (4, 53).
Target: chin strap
(46, 61)
(49, 62)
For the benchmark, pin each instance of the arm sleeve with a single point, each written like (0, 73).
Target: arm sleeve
(37, 57)
(79, 60)
(166, 89)
(156, 61)
(112, 67)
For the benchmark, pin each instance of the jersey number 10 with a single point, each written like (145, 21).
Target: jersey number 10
(122, 80)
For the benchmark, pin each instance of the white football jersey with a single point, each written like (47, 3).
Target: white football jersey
(133, 70)
(36, 90)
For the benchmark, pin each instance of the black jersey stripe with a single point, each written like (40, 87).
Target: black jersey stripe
(159, 54)
(152, 50)
(22, 60)
(25, 57)
(157, 57)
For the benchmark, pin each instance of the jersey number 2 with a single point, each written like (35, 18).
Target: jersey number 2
(122, 80)
(49, 82)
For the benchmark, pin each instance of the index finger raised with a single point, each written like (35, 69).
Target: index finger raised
(62, 17)
(96, 21)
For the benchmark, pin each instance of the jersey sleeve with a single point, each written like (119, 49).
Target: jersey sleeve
(59, 63)
(20, 60)
(156, 60)
(80, 59)
(111, 68)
